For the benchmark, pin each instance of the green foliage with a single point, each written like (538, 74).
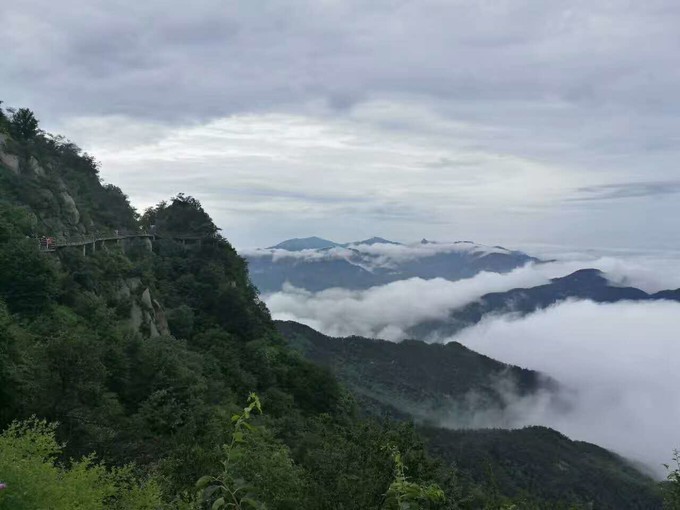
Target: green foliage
(28, 279)
(541, 466)
(406, 495)
(28, 451)
(410, 378)
(16, 222)
(211, 281)
(8, 351)
(671, 488)
(23, 125)
(183, 216)
(257, 471)
(181, 321)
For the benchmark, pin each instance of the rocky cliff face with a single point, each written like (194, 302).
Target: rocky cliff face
(7, 160)
(147, 315)
(61, 186)
(40, 187)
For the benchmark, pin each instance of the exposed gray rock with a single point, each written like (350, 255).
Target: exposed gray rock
(136, 316)
(35, 167)
(149, 322)
(61, 185)
(11, 161)
(123, 291)
(70, 208)
(153, 330)
(133, 283)
(161, 319)
(146, 299)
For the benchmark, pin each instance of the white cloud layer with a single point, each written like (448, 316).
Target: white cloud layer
(387, 311)
(378, 255)
(617, 363)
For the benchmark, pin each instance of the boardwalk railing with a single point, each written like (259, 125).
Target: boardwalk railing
(55, 243)
(51, 244)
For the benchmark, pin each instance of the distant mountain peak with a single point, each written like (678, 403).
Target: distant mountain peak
(304, 243)
(374, 240)
(588, 275)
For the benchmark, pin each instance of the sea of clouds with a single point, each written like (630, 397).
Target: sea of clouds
(378, 255)
(388, 311)
(617, 364)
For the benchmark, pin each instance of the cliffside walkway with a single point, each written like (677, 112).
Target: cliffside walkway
(53, 244)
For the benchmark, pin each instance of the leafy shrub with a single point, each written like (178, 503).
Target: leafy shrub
(672, 486)
(404, 494)
(257, 470)
(32, 479)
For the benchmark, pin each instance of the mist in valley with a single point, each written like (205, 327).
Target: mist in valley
(615, 364)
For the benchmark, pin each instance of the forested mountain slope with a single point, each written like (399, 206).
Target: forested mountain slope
(429, 382)
(434, 384)
(537, 464)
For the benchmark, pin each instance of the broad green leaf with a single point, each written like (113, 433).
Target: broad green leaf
(203, 481)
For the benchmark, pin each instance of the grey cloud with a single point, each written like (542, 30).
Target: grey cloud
(264, 192)
(584, 86)
(223, 57)
(401, 212)
(450, 163)
(627, 190)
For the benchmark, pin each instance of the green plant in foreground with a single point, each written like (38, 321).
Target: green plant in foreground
(225, 490)
(405, 495)
(32, 479)
(672, 486)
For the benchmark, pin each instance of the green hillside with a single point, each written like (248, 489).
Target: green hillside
(433, 383)
(537, 464)
(428, 382)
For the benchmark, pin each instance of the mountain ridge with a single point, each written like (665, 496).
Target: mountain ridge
(424, 376)
(361, 266)
(304, 243)
(589, 284)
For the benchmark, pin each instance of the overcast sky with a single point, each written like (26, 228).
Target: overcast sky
(499, 121)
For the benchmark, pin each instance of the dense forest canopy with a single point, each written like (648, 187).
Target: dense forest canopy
(160, 359)
(183, 216)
